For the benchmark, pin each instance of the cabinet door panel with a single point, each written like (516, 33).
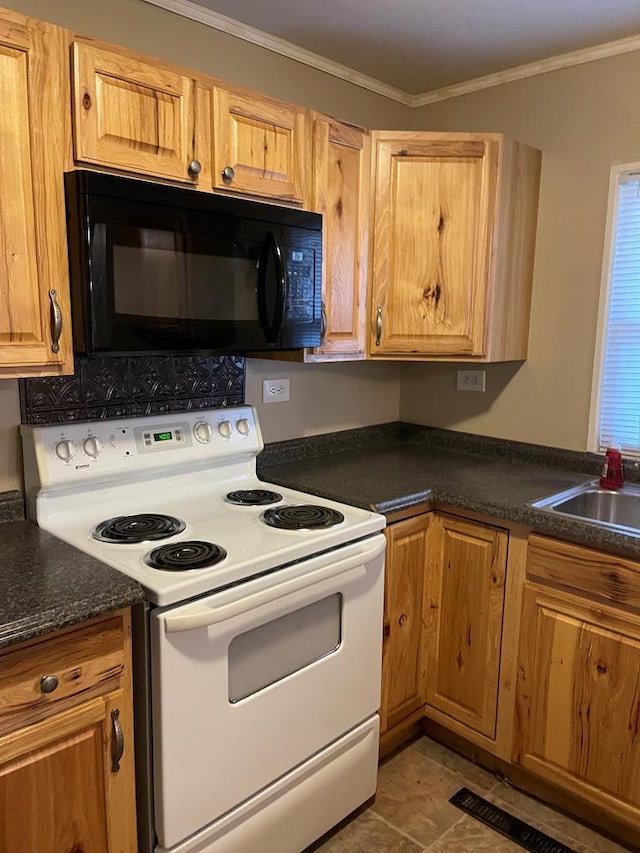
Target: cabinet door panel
(432, 246)
(263, 141)
(132, 115)
(464, 604)
(340, 191)
(579, 698)
(402, 670)
(32, 236)
(41, 766)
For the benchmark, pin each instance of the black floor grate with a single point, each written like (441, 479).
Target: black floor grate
(514, 829)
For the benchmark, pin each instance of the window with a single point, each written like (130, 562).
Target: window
(615, 414)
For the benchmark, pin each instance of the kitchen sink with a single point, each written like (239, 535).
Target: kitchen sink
(615, 509)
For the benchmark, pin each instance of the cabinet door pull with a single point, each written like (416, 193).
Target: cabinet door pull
(56, 330)
(323, 322)
(195, 167)
(379, 326)
(117, 745)
(228, 174)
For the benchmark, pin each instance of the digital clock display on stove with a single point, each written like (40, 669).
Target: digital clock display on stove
(163, 436)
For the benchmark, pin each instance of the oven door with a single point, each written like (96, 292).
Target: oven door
(250, 682)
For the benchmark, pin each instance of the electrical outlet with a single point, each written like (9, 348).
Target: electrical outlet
(275, 390)
(471, 380)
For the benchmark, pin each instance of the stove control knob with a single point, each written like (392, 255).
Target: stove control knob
(65, 450)
(202, 432)
(243, 426)
(92, 446)
(224, 428)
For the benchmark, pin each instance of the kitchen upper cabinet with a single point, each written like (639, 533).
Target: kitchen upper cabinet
(66, 742)
(133, 115)
(453, 242)
(403, 687)
(464, 602)
(260, 146)
(35, 334)
(341, 162)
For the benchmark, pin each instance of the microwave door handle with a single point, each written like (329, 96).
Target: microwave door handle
(271, 249)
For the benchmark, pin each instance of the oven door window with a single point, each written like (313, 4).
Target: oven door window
(267, 654)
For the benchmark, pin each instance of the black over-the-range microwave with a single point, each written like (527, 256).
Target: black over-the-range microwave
(156, 268)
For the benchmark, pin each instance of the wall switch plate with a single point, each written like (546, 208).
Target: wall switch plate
(275, 390)
(471, 380)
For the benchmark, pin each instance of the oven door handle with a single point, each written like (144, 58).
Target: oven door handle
(202, 616)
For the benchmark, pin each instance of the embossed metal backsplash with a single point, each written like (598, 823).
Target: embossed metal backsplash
(126, 386)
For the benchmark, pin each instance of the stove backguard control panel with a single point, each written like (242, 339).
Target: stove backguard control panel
(62, 454)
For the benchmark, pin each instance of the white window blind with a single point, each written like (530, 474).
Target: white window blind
(619, 416)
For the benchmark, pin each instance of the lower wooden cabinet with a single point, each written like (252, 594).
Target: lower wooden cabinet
(578, 691)
(464, 603)
(403, 690)
(66, 742)
(444, 602)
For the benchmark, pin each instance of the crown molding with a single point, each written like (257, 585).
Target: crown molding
(531, 69)
(285, 48)
(195, 12)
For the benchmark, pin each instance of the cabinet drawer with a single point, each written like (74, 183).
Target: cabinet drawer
(81, 663)
(591, 573)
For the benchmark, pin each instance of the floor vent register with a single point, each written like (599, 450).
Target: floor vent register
(506, 824)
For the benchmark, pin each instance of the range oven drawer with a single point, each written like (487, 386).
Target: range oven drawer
(251, 682)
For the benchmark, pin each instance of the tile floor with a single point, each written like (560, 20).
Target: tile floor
(412, 813)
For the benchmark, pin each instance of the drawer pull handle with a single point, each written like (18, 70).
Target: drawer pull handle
(48, 683)
(117, 745)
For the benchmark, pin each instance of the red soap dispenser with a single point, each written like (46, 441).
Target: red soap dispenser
(612, 476)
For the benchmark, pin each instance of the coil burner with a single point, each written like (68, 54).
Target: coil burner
(184, 556)
(143, 527)
(302, 517)
(253, 497)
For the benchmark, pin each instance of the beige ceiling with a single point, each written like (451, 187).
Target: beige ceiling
(422, 45)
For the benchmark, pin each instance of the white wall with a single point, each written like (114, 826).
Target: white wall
(324, 398)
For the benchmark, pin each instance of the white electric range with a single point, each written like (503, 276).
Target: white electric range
(264, 630)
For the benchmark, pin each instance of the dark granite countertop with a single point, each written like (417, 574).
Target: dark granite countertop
(396, 466)
(46, 584)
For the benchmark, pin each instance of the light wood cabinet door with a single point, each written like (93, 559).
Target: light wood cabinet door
(132, 115)
(260, 146)
(402, 664)
(453, 238)
(464, 602)
(67, 756)
(341, 162)
(578, 699)
(35, 332)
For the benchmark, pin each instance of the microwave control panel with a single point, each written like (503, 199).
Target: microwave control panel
(300, 276)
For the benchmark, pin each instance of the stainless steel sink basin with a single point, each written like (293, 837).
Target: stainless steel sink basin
(618, 510)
